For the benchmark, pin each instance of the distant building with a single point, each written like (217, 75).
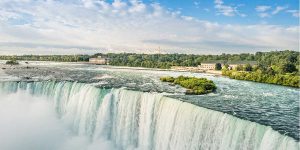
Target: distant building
(208, 66)
(99, 60)
(183, 68)
(232, 65)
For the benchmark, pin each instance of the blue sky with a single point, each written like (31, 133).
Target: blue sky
(206, 10)
(171, 26)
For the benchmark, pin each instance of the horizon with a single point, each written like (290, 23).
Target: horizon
(254, 53)
(202, 27)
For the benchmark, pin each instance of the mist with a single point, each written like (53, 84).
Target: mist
(31, 123)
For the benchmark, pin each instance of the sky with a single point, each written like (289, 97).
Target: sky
(148, 26)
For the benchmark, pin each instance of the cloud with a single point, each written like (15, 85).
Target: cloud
(227, 10)
(89, 26)
(295, 13)
(197, 4)
(262, 8)
(264, 15)
(206, 9)
(279, 9)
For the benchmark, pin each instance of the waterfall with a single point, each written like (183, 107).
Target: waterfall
(137, 120)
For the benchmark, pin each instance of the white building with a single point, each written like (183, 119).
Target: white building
(208, 66)
(99, 60)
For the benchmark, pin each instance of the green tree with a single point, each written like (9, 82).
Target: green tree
(239, 68)
(288, 68)
(218, 66)
(248, 67)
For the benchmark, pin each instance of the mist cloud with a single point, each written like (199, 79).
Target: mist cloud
(30, 123)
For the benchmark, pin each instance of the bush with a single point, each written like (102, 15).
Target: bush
(12, 62)
(167, 79)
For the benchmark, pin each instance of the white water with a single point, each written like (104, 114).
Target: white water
(30, 123)
(134, 120)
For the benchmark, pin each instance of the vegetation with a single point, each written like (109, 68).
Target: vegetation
(194, 85)
(166, 61)
(280, 68)
(60, 58)
(259, 76)
(218, 66)
(12, 62)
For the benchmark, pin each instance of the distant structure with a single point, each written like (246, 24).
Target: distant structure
(232, 65)
(99, 60)
(208, 66)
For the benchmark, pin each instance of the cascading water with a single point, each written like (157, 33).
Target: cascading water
(136, 120)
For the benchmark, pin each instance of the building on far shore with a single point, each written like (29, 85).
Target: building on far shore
(183, 68)
(232, 65)
(208, 66)
(99, 61)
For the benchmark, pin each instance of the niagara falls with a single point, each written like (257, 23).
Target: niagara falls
(64, 108)
(149, 75)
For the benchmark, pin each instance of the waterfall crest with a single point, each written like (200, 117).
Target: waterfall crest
(137, 120)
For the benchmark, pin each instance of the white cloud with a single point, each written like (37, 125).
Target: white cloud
(219, 2)
(227, 10)
(264, 15)
(206, 9)
(262, 8)
(137, 6)
(89, 25)
(265, 11)
(118, 4)
(295, 13)
(279, 9)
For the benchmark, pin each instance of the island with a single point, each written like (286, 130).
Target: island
(12, 62)
(195, 86)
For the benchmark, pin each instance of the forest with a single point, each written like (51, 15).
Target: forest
(59, 58)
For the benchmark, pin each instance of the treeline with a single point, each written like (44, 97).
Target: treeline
(60, 58)
(166, 61)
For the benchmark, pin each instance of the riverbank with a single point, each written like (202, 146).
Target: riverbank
(291, 80)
